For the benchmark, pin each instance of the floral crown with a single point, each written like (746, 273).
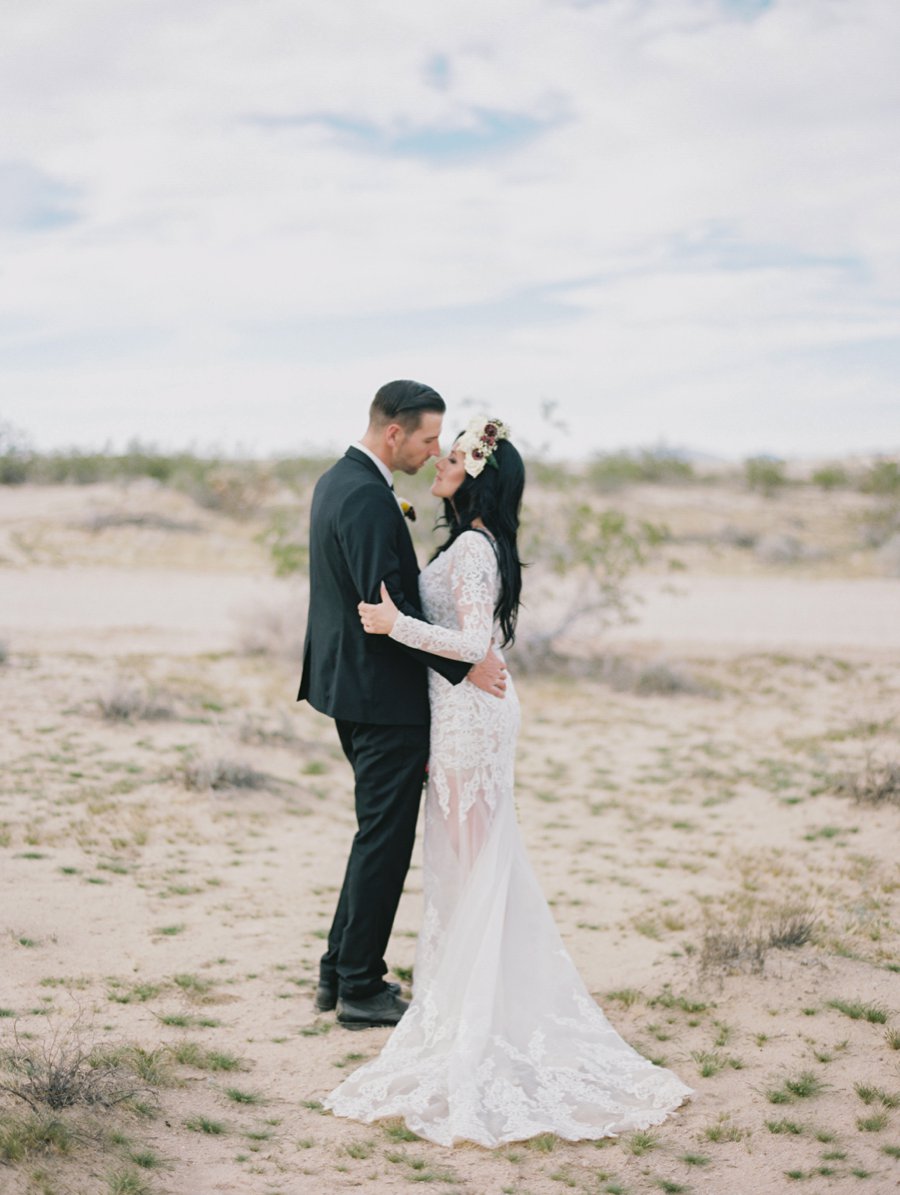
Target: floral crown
(478, 442)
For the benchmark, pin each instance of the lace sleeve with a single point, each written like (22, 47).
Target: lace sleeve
(473, 580)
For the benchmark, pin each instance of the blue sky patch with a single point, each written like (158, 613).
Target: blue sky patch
(329, 338)
(437, 71)
(721, 248)
(490, 131)
(32, 201)
(748, 10)
(28, 348)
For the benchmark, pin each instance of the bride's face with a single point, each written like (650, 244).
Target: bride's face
(450, 472)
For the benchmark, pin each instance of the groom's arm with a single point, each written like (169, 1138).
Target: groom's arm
(368, 538)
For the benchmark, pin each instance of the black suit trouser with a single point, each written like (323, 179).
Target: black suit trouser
(389, 767)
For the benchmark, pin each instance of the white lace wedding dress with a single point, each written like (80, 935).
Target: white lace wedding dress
(502, 1040)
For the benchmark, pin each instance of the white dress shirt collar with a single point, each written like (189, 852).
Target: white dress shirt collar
(382, 467)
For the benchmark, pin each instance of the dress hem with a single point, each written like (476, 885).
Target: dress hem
(645, 1121)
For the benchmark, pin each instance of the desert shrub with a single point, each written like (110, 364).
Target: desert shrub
(779, 549)
(76, 468)
(14, 455)
(745, 947)
(275, 630)
(66, 1071)
(732, 950)
(141, 460)
(647, 678)
(877, 784)
(219, 773)
(736, 537)
(765, 473)
(581, 557)
(123, 702)
(830, 477)
(13, 469)
(614, 470)
(147, 520)
(644, 678)
(233, 487)
(888, 556)
(551, 475)
(237, 489)
(286, 537)
(881, 478)
(662, 677)
(880, 523)
(299, 473)
(254, 731)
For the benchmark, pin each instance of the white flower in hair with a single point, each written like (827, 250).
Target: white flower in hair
(478, 442)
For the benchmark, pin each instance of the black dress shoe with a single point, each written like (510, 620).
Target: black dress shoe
(385, 1008)
(327, 995)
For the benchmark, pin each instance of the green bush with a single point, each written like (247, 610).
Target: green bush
(765, 473)
(617, 469)
(13, 470)
(14, 456)
(882, 478)
(830, 477)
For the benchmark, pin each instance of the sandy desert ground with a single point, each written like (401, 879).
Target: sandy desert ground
(691, 814)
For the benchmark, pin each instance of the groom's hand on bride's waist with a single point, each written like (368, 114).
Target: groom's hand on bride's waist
(489, 675)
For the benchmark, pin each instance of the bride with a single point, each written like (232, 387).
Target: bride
(502, 1040)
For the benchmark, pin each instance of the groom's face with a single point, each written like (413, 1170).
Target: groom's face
(412, 449)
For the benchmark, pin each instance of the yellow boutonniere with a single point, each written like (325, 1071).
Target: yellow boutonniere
(409, 511)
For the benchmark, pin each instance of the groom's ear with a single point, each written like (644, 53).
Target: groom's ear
(394, 434)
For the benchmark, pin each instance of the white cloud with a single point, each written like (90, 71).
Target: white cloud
(717, 198)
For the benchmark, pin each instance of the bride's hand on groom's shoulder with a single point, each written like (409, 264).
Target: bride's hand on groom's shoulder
(378, 619)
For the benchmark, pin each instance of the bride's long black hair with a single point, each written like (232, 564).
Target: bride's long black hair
(494, 496)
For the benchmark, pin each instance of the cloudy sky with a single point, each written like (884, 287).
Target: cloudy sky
(224, 224)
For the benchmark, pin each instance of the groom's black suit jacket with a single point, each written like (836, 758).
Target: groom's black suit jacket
(358, 538)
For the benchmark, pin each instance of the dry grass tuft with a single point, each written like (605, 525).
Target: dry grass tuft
(147, 520)
(744, 948)
(645, 678)
(657, 678)
(877, 784)
(275, 631)
(123, 702)
(218, 773)
(791, 929)
(801, 1087)
(253, 731)
(732, 950)
(861, 1010)
(35, 1133)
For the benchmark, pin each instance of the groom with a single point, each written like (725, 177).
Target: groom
(375, 689)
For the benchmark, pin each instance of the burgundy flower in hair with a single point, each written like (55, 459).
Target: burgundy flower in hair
(479, 443)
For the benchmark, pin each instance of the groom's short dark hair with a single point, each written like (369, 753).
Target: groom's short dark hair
(403, 402)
